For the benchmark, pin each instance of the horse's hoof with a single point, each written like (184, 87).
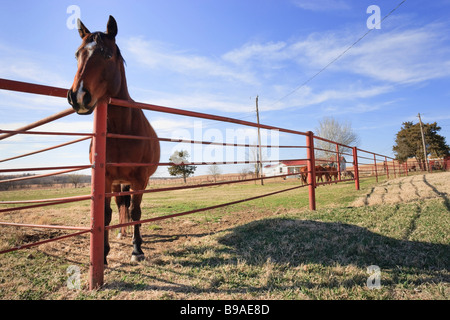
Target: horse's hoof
(137, 258)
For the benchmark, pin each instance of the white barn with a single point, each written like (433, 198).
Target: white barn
(284, 167)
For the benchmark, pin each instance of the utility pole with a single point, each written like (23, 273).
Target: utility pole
(260, 171)
(423, 142)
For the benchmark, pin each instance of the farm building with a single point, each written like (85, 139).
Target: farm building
(284, 167)
(332, 161)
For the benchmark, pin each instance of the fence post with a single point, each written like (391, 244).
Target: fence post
(393, 165)
(98, 198)
(355, 167)
(376, 169)
(338, 157)
(406, 167)
(311, 169)
(386, 166)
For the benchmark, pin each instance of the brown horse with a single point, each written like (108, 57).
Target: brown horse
(304, 174)
(320, 172)
(331, 173)
(100, 76)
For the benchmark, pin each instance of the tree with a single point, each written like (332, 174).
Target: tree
(180, 168)
(75, 179)
(331, 129)
(214, 170)
(408, 142)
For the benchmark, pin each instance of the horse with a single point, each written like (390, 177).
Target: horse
(320, 172)
(331, 173)
(99, 77)
(348, 174)
(304, 174)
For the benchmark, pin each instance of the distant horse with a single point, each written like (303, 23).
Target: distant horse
(320, 172)
(304, 174)
(348, 174)
(331, 173)
(100, 76)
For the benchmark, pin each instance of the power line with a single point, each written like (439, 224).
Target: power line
(339, 56)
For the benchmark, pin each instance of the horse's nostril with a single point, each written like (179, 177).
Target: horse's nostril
(72, 99)
(86, 98)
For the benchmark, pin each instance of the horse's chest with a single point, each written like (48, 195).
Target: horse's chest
(125, 150)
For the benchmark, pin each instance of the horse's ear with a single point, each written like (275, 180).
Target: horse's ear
(82, 30)
(111, 27)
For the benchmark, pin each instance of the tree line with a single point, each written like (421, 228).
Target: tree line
(72, 179)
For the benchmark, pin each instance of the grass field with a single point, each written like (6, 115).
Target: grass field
(271, 248)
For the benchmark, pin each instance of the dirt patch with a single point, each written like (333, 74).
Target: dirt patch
(407, 189)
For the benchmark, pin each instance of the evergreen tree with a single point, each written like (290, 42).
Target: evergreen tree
(179, 167)
(408, 142)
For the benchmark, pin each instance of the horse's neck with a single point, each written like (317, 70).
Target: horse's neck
(123, 92)
(120, 118)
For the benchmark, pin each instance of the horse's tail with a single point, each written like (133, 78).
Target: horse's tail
(124, 212)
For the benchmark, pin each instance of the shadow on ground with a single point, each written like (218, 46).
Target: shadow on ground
(295, 242)
(290, 243)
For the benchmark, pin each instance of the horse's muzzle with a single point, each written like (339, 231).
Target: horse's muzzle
(80, 100)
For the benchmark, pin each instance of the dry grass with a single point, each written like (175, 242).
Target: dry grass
(267, 249)
(407, 189)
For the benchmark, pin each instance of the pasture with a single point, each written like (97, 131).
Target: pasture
(271, 248)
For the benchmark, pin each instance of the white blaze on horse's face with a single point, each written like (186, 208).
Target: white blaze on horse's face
(90, 47)
(80, 93)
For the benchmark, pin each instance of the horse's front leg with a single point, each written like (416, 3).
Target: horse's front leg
(135, 210)
(108, 216)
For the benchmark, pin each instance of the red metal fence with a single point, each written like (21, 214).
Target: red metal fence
(363, 164)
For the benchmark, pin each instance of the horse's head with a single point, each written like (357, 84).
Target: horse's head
(98, 76)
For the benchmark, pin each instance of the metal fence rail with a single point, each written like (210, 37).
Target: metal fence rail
(364, 164)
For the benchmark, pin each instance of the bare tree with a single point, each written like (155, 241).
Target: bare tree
(214, 170)
(331, 129)
(75, 179)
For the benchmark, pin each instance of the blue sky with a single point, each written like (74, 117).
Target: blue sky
(217, 56)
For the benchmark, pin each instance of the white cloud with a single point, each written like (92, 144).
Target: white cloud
(23, 65)
(18, 100)
(156, 55)
(322, 5)
(397, 56)
(262, 52)
(379, 64)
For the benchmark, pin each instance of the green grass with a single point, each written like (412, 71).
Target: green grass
(270, 248)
